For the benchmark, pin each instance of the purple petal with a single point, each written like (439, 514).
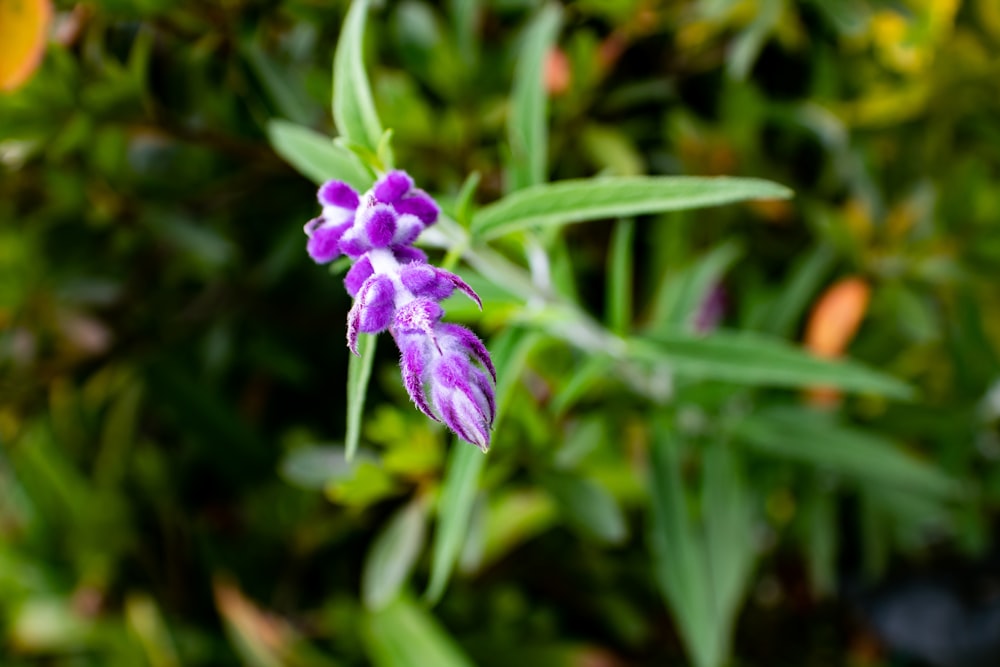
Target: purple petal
(418, 278)
(392, 186)
(338, 193)
(408, 228)
(419, 204)
(380, 226)
(418, 316)
(375, 299)
(353, 320)
(471, 344)
(357, 276)
(425, 281)
(462, 286)
(323, 244)
(408, 254)
(462, 414)
(486, 392)
(352, 246)
(411, 364)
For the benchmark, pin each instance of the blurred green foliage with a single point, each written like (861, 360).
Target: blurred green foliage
(174, 483)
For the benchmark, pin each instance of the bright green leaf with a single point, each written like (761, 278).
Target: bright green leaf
(359, 371)
(578, 200)
(753, 359)
(317, 157)
(620, 267)
(461, 481)
(353, 105)
(393, 554)
(527, 126)
(679, 558)
(405, 634)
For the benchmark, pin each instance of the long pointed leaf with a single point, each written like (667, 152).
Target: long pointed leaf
(353, 106)
(679, 558)
(359, 372)
(757, 360)
(578, 200)
(315, 156)
(804, 435)
(405, 634)
(527, 123)
(465, 466)
(393, 554)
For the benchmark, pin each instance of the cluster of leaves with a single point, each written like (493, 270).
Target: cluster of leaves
(173, 486)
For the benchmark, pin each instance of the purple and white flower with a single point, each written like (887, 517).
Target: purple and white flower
(446, 369)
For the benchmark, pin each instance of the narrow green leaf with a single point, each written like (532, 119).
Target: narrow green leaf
(393, 554)
(802, 284)
(807, 436)
(465, 464)
(359, 371)
(820, 526)
(464, 201)
(527, 121)
(317, 157)
(578, 200)
(290, 100)
(752, 359)
(146, 622)
(679, 558)
(680, 296)
(314, 467)
(728, 539)
(461, 480)
(353, 105)
(587, 506)
(465, 19)
(594, 369)
(620, 267)
(405, 634)
(118, 436)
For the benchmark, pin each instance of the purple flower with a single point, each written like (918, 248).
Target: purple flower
(446, 369)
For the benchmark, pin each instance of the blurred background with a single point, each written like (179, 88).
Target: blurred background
(173, 487)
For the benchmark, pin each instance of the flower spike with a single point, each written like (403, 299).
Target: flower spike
(446, 369)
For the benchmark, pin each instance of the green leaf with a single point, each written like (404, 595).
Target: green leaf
(578, 200)
(726, 512)
(821, 538)
(359, 371)
(405, 634)
(465, 19)
(353, 106)
(801, 285)
(527, 124)
(681, 295)
(808, 436)
(620, 266)
(679, 559)
(393, 554)
(752, 359)
(513, 517)
(290, 99)
(315, 466)
(464, 203)
(317, 157)
(587, 506)
(461, 480)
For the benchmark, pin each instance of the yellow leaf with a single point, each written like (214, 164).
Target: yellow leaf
(24, 25)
